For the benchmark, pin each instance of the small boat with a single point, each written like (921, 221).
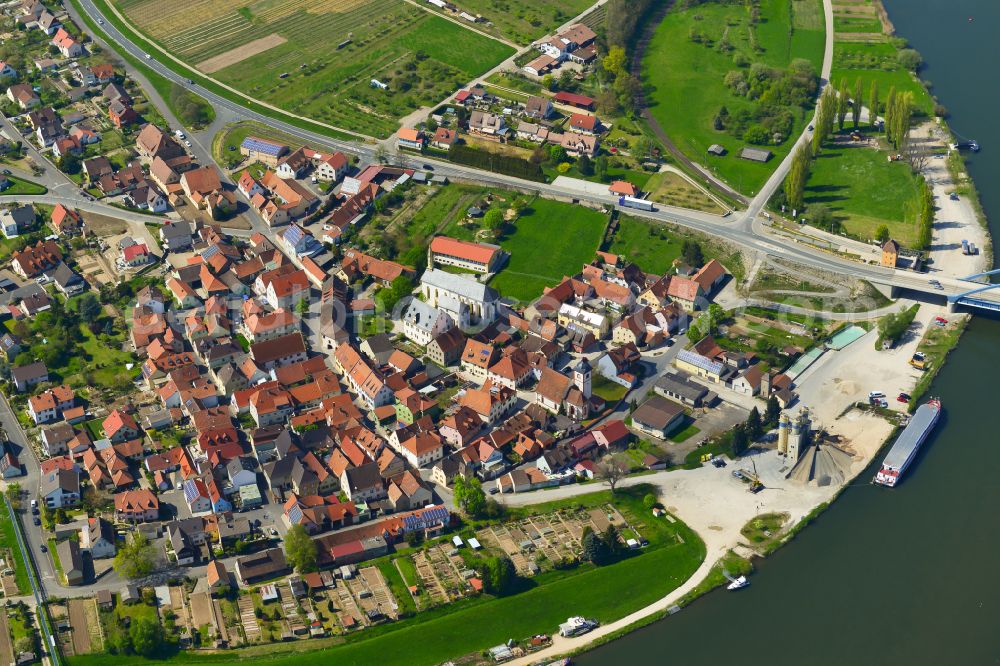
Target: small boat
(738, 583)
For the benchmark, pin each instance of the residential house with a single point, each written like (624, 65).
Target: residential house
(410, 138)
(98, 538)
(60, 488)
(120, 426)
(137, 506)
(422, 322)
(26, 376)
(446, 348)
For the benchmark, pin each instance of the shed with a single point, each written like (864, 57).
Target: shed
(755, 154)
(717, 149)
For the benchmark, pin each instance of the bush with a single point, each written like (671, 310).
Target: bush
(505, 164)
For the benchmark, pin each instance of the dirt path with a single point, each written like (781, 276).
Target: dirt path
(6, 649)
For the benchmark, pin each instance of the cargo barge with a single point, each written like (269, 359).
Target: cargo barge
(909, 442)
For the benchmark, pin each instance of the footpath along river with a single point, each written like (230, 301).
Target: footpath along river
(901, 576)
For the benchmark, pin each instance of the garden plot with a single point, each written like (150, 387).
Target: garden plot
(292, 615)
(372, 596)
(59, 613)
(179, 607)
(350, 614)
(425, 571)
(78, 620)
(248, 618)
(449, 570)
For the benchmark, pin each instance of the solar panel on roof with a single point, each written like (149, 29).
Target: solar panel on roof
(260, 146)
(700, 361)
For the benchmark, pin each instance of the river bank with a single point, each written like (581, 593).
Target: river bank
(717, 506)
(844, 588)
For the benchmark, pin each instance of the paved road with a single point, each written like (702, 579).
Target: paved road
(744, 231)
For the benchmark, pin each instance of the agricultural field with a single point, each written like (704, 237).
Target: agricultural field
(317, 57)
(523, 21)
(686, 63)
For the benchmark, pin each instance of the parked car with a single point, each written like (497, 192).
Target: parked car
(903, 397)
(874, 395)
(37, 521)
(44, 548)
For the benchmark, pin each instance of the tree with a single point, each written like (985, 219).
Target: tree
(856, 104)
(773, 411)
(300, 549)
(493, 219)
(585, 166)
(88, 307)
(594, 548)
(557, 154)
(613, 468)
(601, 167)
(389, 296)
(24, 644)
(302, 307)
(739, 443)
(147, 636)
(843, 103)
(882, 233)
(498, 575)
(798, 175)
(691, 253)
(549, 82)
(873, 104)
(890, 109)
(70, 163)
(892, 326)
(469, 496)
(910, 59)
(755, 428)
(135, 558)
(642, 148)
(615, 60)
(822, 218)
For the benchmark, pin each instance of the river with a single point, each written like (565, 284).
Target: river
(902, 576)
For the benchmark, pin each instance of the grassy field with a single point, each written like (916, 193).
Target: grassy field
(864, 190)
(20, 187)
(684, 79)
(537, 260)
(9, 540)
(654, 248)
(876, 61)
(674, 554)
(673, 190)
(322, 54)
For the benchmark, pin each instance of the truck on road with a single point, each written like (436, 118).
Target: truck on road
(632, 202)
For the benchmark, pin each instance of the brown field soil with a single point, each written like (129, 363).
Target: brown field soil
(102, 225)
(240, 53)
